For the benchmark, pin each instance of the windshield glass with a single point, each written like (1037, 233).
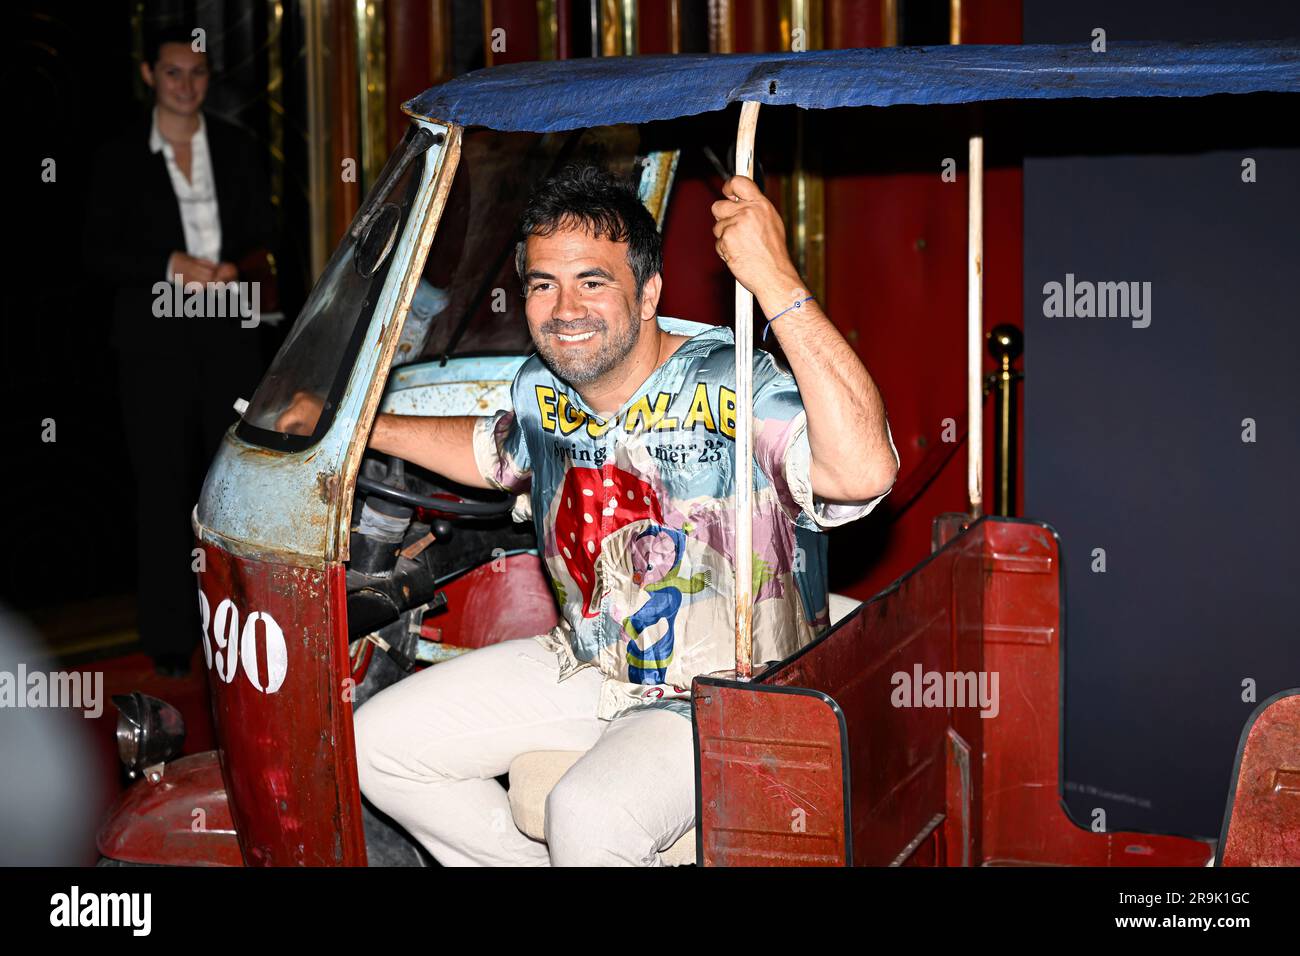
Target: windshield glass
(318, 353)
(470, 300)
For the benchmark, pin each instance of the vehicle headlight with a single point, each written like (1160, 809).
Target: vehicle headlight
(149, 731)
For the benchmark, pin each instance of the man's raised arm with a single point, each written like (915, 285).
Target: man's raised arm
(843, 405)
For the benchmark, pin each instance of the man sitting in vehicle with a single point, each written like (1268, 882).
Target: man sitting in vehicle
(621, 445)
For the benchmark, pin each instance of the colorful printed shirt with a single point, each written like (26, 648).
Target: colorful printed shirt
(635, 518)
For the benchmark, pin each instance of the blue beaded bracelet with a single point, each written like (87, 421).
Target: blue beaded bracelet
(797, 305)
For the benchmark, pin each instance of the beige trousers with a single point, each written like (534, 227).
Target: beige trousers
(429, 747)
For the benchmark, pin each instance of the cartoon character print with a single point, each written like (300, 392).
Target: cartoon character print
(656, 562)
(593, 504)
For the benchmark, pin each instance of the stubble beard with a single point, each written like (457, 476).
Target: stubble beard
(583, 367)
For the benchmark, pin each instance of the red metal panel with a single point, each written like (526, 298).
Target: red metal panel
(897, 754)
(990, 21)
(518, 20)
(563, 26)
(902, 235)
(276, 647)
(929, 783)
(1262, 825)
(771, 781)
(499, 601)
(1021, 765)
(906, 235)
(755, 27)
(854, 23)
(407, 66)
(700, 288)
(653, 27)
(182, 820)
(929, 853)
(966, 738)
(1024, 817)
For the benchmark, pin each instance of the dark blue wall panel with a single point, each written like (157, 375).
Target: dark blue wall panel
(1133, 436)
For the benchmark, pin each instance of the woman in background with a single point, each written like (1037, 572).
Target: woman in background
(182, 197)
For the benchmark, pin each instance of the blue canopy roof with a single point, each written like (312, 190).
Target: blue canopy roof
(569, 94)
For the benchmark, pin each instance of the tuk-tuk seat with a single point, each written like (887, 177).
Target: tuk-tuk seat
(533, 775)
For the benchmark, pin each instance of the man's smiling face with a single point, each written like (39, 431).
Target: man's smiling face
(581, 301)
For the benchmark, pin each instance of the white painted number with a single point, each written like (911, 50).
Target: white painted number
(225, 631)
(277, 655)
(234, 646)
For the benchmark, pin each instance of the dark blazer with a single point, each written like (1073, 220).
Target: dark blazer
(133, 221)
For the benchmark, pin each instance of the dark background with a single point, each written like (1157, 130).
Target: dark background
(70, 502)
(1133, 436)
(73, 83)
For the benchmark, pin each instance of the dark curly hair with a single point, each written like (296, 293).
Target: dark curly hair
(588, 196)
(170, 32)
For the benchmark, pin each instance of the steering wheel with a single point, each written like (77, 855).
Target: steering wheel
(454, 506)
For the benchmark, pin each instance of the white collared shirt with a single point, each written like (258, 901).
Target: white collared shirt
(197, 196)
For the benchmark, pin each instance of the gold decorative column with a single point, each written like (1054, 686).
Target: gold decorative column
(548, 30)
(889, 22)
(618, 27)
(319, 24)
(804, 192)
(372, 89)
(674, 26)
(720, 26)
(439, 41)
(1005, 344)
(275, 99)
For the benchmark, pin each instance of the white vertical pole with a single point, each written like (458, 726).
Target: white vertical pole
(975, 329)
(745, 427)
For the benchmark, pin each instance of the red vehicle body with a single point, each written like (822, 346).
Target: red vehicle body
(807, 764)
